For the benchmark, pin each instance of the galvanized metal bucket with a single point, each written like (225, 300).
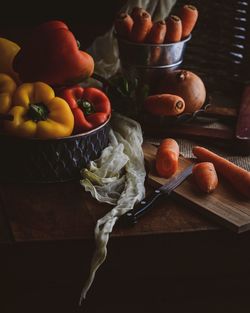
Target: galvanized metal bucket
(148, 55)
(149, 64)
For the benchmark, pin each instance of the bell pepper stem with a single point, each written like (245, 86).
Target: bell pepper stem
(85, 106)
(38, 112)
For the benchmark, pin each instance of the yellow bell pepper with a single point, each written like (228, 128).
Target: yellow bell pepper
(38, 113)
(8, 50)
(7, 88)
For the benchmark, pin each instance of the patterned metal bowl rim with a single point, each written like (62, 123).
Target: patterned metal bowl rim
(68, 138)
(152, 44)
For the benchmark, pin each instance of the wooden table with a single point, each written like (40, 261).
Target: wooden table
(172, 260)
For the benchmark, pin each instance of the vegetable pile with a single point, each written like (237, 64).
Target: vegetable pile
(235, 175)
(39, 92)
(177, 91)
(206, 169)
(187, 86)
(138, 26)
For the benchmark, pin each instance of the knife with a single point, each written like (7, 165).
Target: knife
(131, 217)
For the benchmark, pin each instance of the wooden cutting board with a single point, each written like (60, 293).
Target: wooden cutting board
(224, 205)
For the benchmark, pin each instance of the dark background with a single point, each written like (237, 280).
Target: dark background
(86, 19)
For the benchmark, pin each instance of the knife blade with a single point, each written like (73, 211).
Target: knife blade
(131, 217)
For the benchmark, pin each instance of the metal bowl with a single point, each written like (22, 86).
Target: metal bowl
(50, 160)
(151, 55)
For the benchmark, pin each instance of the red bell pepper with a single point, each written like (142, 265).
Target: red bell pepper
(52, 55)
(90, 106)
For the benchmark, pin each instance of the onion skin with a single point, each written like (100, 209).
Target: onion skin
(186, 85)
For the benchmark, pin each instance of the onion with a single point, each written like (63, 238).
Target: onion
(188, 86)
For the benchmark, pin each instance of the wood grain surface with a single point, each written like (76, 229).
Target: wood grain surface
(224, 205)
(64, 211)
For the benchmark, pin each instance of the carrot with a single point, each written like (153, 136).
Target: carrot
(141, 27)
(205, 176)
(157, 33)
(123, 25)
(167, 158)
(155, 55)
(156, 36)
(136, 12)
(174, 29)
(188, 15)
(164, 105)
(237, 176)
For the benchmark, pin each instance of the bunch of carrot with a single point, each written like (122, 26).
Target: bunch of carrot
(139, 27)
(205, 171)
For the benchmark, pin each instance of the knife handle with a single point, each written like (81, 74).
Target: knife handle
(131, 217)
